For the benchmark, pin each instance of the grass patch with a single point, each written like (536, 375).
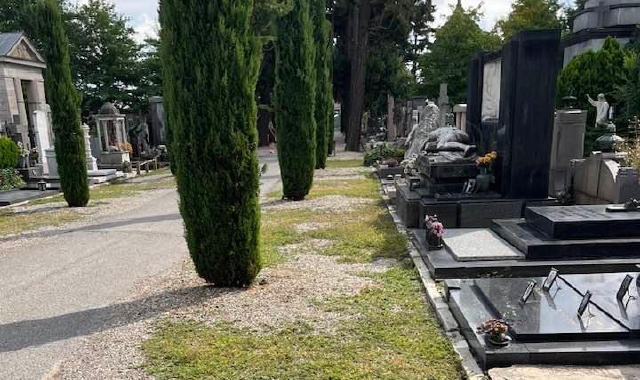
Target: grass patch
(340, 164)
(14, 223)
(394, 336)
(115, 190)
(354, 188)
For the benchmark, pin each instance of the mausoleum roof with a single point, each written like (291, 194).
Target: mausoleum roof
(8, 41)
(16, 48)
(108, 109)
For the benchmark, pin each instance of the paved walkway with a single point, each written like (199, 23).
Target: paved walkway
(63, 289)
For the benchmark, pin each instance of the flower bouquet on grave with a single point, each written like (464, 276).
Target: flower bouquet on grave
(435, 232)
(496, 332)
(485, 162)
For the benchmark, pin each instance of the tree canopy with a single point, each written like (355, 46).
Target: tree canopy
(531, 14)
(448, 59)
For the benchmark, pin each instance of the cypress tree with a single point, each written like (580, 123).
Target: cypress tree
(210, 68)
(294, 98)
(324, 91)
(65, 105)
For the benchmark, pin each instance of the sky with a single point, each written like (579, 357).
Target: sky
(143, 14)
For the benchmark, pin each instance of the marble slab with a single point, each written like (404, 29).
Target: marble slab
(582, 222)
(536, 245)
(604, 287)
(477, 244)
(546, 316)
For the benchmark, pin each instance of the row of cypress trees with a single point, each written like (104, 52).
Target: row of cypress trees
(210, 66)
(303, 95)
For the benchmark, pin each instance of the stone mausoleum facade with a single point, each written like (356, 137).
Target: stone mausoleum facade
(599, 20)
(21, 87)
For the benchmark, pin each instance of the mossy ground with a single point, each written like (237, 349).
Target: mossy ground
(391, 333)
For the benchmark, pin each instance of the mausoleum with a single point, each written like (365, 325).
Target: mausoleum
(598, 20)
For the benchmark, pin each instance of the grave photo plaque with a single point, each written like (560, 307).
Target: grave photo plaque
(624, 288)
(527, 292)
(550, 280)
(584, 304)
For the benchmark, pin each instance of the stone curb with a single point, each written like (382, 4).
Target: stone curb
(450, 326)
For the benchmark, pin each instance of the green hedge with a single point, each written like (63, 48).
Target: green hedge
(9, 153)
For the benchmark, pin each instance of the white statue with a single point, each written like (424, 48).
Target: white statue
(430, 121)
(602, 107)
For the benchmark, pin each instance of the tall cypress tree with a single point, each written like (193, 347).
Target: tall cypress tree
(65, 105)
(294, 98)
(324, 89)
(210, 67)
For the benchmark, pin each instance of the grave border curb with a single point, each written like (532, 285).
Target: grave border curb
(450, 326)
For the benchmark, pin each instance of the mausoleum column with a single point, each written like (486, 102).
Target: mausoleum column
(22, 111)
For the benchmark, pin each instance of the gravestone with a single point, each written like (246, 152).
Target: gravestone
(518, 84)
(568, 144)
(158, 122)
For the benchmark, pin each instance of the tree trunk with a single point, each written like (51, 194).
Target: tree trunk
(359, 17)
(391, 123)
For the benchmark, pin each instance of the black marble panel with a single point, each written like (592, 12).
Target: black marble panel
(481, 214)
(579, 222)
(536, 245)
(546, 316)
(604, 287)
(527, 106)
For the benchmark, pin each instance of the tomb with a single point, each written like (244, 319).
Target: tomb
(589, 319)
(511, 103)
(113, 137)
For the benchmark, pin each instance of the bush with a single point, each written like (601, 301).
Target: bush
(593, 73)
(9, 153)
(324, 88)
(213, 144)
(381, 153)
(10, 179)
(65, 105)
(294, 95)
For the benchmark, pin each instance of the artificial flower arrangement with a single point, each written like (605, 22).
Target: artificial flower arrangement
(496, 331)
(435, 232)
(487, 160)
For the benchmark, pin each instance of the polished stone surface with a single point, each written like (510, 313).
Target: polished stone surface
(581, 222)
(481, 214)
(477, 244)
(546, 317)
(10, 197)
(442, 264)
(536, 245)
(604, 288)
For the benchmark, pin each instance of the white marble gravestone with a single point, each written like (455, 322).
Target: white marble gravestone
(492, 78)
(44, 138)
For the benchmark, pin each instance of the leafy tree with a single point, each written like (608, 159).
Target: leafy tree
(593, 72)
(324, 92)
(363, 26)
(455, 42)
(530, 14)
(64, 102)
(105, 59)
(207, 47)
(420, 19)
(150, 69)
(294, 101)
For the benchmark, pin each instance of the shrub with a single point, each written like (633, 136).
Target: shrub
(10, 179)
(9, 153)
(213, 144)
(294, 98)
(324, 88)
(65, 105)
(381, 153)
(592, 73)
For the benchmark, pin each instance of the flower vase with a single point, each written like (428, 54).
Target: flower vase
(483, 180)
(499, 340)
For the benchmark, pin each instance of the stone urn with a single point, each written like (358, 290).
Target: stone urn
(483, 180)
